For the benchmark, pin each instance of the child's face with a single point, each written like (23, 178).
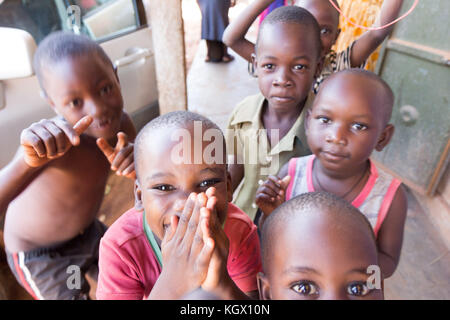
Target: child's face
(164, 186)
(327, 18)
(316, 260)
(86, 85)
(286, 63)
(345, 124)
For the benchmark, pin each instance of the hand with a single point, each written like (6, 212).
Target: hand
(47, 140)
(121, 156)
(271, 194)
(186, 250)
(217, 271)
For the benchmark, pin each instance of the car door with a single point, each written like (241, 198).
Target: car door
(119, 26)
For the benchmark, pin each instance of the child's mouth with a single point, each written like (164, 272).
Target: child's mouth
(333, 156)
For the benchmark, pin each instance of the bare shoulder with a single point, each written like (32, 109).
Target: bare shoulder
(393, 225)
(127, 126)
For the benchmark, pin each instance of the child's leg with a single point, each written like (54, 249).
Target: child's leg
(58, 273)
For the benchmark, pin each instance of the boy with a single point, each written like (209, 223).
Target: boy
(328, 18)
(272, 121)
(55, 184)
(349, 119)
(145, 253)
(317, 246)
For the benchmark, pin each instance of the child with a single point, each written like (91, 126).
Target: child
(348, 120)
(138, 259)
(317, 246)
(328, 18)
(55, 184)
(272, 121)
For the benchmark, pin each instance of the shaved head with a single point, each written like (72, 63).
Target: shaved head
(374, 88)
(301, 210)
(163, 126)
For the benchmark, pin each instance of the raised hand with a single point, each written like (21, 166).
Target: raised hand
(271, 194)
(121, 157)
(47, 140)
(217, 271)
(186, 251)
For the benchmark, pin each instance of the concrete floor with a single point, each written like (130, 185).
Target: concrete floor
(424, 268)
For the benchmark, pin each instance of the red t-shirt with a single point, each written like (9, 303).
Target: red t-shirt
(128, 267)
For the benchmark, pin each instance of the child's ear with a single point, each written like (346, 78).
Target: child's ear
(254, 65)
(229, 188)
(319, 66)
(138, 205)
(337, 35)
(307, 117)
(385, 137)
(116, 73)
(263, 287)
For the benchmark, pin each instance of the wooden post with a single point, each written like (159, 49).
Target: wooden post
(165, 19)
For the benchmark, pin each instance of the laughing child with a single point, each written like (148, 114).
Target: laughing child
(161, 248)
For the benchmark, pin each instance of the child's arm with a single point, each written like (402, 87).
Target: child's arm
(41, 143)
(186, 251)
(234, 35)
(121, 156)
(390, 235)
(370, 40)
(272, 193)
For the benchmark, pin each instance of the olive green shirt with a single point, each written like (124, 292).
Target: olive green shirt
(247, 140)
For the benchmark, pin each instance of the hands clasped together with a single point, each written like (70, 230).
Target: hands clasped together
(194, 250)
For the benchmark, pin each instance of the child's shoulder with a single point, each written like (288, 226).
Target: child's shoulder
(129, 226)
(238, 220)
(246, 110)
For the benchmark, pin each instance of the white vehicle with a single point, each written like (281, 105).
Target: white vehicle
(120, 26)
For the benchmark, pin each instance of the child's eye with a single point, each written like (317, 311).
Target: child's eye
(324, 120)
(359, 126)
(324, 31)
(299, 67)
(164, 187)
(105, 90)
(208, 183)
(76, 103)
(358, 289)
(306, 288)
(268, 66)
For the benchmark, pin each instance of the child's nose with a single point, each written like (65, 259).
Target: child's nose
(336, 134)
(95, 108)
(333, 294)
(282, 79)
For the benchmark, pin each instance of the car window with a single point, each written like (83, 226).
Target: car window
(99, 19)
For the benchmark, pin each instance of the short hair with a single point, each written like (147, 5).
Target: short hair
(302, 205)
(292, 14)
(174, 120)
(385, 90)
(61, 45)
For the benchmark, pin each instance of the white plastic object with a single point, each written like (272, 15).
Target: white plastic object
(16, 55)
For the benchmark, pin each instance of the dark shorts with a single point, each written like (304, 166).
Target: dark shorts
(58, 272)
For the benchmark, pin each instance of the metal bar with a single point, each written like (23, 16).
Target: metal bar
(420, 51)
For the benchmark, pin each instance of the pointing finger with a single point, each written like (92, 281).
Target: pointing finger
(82, 124)
(104, 146)
(122, 140)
